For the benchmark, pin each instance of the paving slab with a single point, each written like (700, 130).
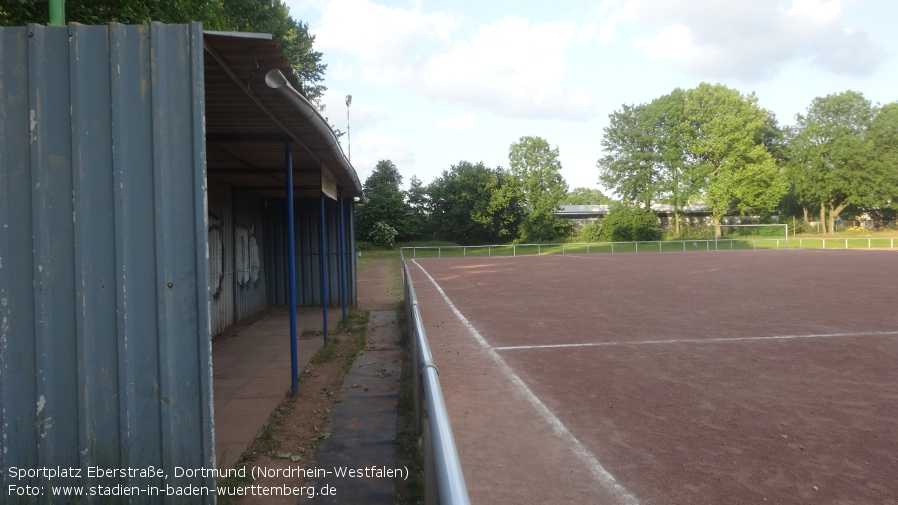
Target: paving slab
(363, 422)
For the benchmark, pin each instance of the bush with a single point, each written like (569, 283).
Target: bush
(592, 232)
(626, 223)
(383, 234)
(544, 228)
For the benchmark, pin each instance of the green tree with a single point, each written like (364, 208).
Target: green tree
(273, 16)
(724, 134)
(680, 180)
(386, 204)
(535, 165)
(834, 156)
(884, 135)
(265, 16)
(473, 204)
(630, 167)
(647, 161)
(21, 12)
(418, 201)
(586, 196)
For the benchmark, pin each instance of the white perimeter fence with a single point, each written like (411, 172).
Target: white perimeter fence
(652, 246)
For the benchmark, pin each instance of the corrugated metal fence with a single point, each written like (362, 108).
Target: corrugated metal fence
(308, 252)
(105, 355)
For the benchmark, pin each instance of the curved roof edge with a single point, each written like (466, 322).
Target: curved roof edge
(244, 58)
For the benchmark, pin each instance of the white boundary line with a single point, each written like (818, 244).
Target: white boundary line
(701, 340)
(598, 471)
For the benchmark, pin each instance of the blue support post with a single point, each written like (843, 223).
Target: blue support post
(342, 254)
(323, 269)
(291, 262)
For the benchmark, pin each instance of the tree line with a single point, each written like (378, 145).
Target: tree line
(714, 145)
(711, 145)
(471, 203)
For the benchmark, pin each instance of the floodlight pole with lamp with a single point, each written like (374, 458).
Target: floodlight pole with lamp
(348, 139)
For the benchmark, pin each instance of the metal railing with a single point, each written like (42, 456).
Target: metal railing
(653, 246)
(444, 482)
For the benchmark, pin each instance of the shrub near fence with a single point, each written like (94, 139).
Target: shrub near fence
(653, 246)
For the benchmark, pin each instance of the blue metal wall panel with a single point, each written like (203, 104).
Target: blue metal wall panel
(105, 354)
(18, 367)
(308, 253)
(249, 291)
(237, 281)
(53, 259)
(221, 256)
(94, 237)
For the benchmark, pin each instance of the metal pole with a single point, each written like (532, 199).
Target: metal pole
(348, 138)
(323, 270)
(57, 12)
(342, 254)
(291, 269)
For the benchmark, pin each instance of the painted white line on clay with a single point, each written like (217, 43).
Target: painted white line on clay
(701, 340)
(599, 472)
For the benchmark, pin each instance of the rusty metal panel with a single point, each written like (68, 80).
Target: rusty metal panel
(105, 353)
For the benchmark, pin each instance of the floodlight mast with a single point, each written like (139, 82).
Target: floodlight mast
(348, 138)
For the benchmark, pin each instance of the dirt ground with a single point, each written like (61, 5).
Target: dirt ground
(692, 378)
(295, 428)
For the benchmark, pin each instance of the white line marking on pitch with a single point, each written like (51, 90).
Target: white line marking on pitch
(587, 457)
(701, 340)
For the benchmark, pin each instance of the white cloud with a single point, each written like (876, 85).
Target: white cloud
(368, 149)
(509, 67)
(361, 113)
(512, 68)
(746, 40)
(814, 10)
(385, 42)
(613, 13)
(456, 123)
(674, 41)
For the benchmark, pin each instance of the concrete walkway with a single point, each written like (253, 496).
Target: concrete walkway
(251, 375)
(363, 421)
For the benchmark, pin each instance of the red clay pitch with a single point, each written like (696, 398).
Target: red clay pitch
(687, 378)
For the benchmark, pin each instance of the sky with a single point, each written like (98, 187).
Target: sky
(436, 83)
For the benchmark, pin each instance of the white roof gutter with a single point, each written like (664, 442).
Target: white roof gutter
(275, 79)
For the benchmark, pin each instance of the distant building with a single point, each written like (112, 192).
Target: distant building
(581, 215)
